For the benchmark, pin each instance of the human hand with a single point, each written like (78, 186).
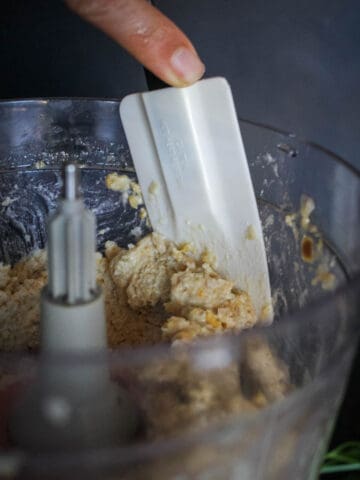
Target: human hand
(153, 39)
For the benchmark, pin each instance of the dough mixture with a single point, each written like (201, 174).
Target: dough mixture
(157, 291)
(153, 291)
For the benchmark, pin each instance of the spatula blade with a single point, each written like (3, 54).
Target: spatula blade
(190, 160)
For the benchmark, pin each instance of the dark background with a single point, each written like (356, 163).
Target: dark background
(292, 64)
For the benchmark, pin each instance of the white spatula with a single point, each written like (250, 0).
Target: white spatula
(190, 160)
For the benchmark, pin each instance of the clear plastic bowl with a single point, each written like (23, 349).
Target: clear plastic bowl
(315, 294)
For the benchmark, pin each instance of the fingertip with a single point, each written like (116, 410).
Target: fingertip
(148, 35)
(185, 67)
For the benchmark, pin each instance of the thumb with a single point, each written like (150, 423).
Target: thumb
(147, 34)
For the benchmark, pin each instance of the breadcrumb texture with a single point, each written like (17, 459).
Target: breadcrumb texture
(157, 291)
(195, 300)
(20, 288)
(153, 291)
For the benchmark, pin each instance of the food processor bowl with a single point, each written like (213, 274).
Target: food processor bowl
(309, 203)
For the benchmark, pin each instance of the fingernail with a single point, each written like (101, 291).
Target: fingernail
(187, 65)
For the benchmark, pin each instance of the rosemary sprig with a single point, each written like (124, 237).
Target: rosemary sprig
(344, 458)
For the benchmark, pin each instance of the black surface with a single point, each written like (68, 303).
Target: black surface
(46, 50)
(294, 65)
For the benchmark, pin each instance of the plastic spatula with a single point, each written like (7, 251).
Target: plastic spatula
(190, 160)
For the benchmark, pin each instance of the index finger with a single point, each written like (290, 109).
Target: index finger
(148, 35)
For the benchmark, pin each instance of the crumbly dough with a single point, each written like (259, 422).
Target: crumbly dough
(118, 183)
(189, 398)
(265, 378)
(20, 288)
(152, 291)
(157, 291)
(130, 189)
(198, 300)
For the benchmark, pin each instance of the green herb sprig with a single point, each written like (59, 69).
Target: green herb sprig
(344, 458)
